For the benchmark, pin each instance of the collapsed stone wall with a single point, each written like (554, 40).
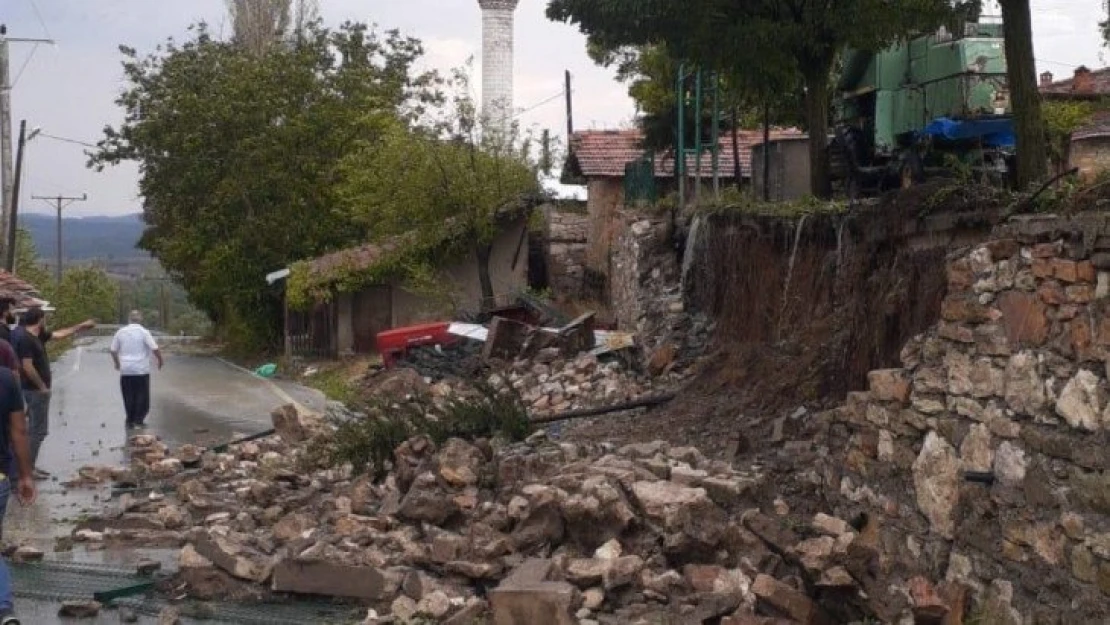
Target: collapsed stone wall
(646, 292)
(566, 250)
(985, 459)
(858, 284)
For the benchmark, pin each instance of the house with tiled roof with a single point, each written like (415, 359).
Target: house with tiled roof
(337, 303)
(1089, 149)
(23, 293)
(602, 159)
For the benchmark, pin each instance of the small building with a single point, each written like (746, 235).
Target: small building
(1089, 148)
(349, 304)
(788, 158)
(21, 292)
(614, 166)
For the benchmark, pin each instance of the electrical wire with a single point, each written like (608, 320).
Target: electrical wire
(68, 140)
(541, 103)
(26, 62)
(38, 15)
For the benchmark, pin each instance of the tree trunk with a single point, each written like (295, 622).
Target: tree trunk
(766, 152)
(483, 253)
(817, 119)
(737, 170)
(1021, 76)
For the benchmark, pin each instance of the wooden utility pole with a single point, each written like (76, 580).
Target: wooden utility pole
(8, 186)
(570, 108)
(59, 202)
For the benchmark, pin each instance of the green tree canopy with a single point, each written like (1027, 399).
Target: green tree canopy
(239, 152)
(756, 40)
(449, 179)
(85, 293)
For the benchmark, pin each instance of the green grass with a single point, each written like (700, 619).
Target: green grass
(335, 383)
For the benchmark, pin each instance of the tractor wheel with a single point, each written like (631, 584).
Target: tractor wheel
(911, 171)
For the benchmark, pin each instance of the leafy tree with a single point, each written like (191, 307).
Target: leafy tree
(754, 40)
(454, 174)
(238, 155)
(85, 293)
(261, 24)
(27, 264)
(1062, 118)
(1104, 26)
(1021, 79)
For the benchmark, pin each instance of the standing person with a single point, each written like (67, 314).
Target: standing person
(13, 441)
(30, 340)
(7, 318)
(132, 348)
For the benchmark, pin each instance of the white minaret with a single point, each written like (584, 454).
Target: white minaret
(497, 62)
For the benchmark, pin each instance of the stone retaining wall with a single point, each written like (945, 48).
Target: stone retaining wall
(986, 458)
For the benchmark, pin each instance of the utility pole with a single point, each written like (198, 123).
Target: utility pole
(8, 189)
(60, 202)
(570, 109)
(13, 210)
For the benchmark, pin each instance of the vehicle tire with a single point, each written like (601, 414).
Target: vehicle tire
(912, 170)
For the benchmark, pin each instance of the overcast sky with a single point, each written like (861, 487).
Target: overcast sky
(69, 90)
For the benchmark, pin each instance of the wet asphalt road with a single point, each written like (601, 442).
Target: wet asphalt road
(194, 399)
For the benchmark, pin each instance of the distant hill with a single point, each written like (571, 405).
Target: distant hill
(87, 238)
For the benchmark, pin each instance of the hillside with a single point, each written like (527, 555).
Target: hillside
(86, 238)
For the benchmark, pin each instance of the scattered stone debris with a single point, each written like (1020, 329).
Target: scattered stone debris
(561, 533)
(79, 609)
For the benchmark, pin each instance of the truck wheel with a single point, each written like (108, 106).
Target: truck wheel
(912, 171)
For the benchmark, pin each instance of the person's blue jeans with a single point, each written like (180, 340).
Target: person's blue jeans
(6, 604)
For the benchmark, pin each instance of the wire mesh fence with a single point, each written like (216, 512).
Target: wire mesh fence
(63, 581)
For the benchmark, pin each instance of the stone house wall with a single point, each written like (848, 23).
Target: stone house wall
(605, 199)
(1091, 155)
(566, 250)
(985, 459)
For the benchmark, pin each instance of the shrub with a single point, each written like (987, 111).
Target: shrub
(367, 442)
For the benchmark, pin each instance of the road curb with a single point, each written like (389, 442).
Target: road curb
(277, 390)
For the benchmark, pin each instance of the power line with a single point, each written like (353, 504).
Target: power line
(561, 94)
(26, 62)
(42, 22)
(68, 140)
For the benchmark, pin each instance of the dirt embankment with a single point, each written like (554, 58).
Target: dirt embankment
(806, 306)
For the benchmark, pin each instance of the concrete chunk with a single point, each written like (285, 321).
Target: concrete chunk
(329, 580)
(234, 558)
(526, 597)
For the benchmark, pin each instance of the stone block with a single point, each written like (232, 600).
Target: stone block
(786, 600)
(964, 310)
(329, 580)
(526, 596)
(1065, 270)
(889, 385)
(238, 560)
(1024, 318)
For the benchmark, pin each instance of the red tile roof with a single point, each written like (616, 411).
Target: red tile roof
(604, 153)
(1099, 85)
(24, 294)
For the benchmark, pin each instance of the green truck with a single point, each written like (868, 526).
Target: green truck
(935, 104)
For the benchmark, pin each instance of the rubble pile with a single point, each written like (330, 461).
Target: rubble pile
(986, 458)
(537, 532)
(549, 383)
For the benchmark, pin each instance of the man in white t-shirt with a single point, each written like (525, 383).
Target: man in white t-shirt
(132, 348)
